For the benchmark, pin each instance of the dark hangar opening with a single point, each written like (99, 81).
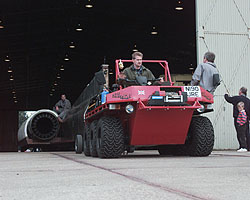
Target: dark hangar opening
(38, 36)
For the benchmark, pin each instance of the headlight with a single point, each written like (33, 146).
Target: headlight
(202, 109)
(129, 109)
(209, 106)
(114, 106)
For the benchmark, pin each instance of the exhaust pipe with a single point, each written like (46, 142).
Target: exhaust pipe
(43, 125)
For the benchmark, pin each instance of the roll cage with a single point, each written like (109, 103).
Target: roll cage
(162, 63)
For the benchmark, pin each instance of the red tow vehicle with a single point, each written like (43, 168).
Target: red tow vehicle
(153, 115)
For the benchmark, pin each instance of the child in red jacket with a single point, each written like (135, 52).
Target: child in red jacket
(241, 127)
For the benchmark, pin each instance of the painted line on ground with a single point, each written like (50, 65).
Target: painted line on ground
(139, 180)
(231, 155)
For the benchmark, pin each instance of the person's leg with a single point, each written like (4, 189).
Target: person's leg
(236, 128)
(62, 115)
(60, 118)
(248, 136)
(241, 132)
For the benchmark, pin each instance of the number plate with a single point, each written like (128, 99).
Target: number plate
(192, 91)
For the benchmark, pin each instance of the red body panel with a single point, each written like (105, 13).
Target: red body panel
(152, 125)
(134, 93)
(159, 126)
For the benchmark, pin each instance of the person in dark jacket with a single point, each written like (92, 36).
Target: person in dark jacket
(137, 69)
(62, 107)
(235, 100)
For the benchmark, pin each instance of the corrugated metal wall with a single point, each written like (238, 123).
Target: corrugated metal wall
(223, 27)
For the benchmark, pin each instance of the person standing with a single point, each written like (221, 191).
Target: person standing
(241, 127)
(204, 73)
(62, 107)
(235, 100)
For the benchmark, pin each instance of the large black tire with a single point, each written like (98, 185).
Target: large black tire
(78, 144)
(93, 136)
(200, 139)
(110, 138)
(86, 140)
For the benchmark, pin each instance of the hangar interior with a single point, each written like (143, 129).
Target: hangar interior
(53, 47)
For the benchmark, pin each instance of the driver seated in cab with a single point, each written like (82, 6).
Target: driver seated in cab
(137, 69)
(136, 73)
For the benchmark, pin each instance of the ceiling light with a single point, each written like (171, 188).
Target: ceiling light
(11, 78)
(58, 76)
(14, 97)
(66, 58)
(89, 4)
(191, 67)
(135, 49)
(7, 59)
(72, 46)
(13, 92)
(105, 65)
(154, 31)
(1, 25)
(53, 89)
(55, 83)
(179, 6)
(9, 69)
(79, 28)
(15, 101)
(62, 68)
(51, 94)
